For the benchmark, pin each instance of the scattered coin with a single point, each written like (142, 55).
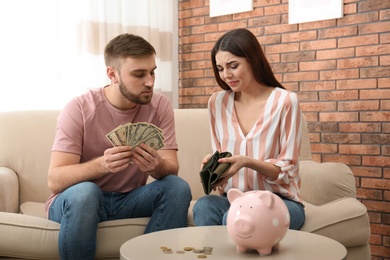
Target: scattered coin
(166, 250)
(202, 253)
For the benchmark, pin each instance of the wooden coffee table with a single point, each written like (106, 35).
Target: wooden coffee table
(295, 245)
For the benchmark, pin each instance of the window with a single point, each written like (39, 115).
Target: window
(52, 50)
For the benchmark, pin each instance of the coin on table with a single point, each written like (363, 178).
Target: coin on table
(202, 256)
(167, 251)
(188, 248)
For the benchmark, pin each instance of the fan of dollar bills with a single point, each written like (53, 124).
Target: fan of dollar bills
(136, 134)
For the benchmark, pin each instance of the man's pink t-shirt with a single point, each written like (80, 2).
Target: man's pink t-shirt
(84, 122)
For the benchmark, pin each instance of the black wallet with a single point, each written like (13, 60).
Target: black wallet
(213, 170)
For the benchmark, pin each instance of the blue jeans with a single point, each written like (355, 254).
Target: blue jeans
(213, 209)
(81, 207)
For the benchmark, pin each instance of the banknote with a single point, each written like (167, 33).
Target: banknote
(134, 134)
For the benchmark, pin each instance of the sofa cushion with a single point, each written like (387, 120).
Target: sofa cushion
(39, 237)
(29, 232)
(36, 209)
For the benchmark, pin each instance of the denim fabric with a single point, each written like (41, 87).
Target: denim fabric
(81, 207)
(213, 210)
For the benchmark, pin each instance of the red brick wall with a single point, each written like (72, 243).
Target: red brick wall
(341, 70)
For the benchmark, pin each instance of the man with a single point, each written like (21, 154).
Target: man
(92, 180)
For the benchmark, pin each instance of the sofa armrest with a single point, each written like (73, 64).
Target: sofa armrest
(325, 182)
(9, 190)
(339, 220)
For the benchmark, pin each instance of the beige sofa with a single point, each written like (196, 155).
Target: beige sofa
(26, 137)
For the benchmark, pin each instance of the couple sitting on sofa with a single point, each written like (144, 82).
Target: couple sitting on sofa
(92, 180)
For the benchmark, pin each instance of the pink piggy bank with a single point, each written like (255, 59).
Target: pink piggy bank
(257, 220)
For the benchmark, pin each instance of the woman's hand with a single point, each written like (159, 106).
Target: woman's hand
(236, 163)
(205, 160)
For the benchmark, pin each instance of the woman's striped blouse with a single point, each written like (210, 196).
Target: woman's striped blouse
(274, 138)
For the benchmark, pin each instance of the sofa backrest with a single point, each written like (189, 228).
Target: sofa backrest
(194, 141)
(26, 138)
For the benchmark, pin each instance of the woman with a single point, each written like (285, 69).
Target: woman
(259, 122)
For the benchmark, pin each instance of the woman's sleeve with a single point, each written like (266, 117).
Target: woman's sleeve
(289, 141)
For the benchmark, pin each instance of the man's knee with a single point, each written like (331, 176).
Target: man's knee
(84, 193)
(176, 190)
(176, 184)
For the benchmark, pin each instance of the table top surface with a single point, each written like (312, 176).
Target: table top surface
(295, 245)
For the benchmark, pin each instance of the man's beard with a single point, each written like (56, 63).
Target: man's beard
(134, 98)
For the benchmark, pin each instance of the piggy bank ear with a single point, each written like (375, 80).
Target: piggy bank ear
(234, 194)
(268, 198)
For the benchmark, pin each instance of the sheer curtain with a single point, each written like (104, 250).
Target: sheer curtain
(52, 50)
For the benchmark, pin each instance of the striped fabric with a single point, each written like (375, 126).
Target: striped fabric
(274, 138)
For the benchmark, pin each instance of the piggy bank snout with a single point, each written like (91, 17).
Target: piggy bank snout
(243, 226)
